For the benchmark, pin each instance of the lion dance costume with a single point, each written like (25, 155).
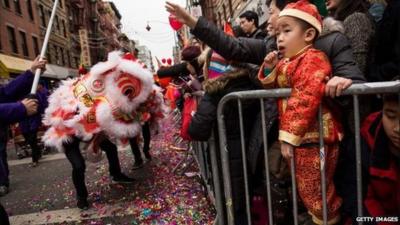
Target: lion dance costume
(115, 98)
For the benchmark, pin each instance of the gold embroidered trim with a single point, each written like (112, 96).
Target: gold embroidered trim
(289, 138)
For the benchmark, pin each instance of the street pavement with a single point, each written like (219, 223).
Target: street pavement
(45, 194)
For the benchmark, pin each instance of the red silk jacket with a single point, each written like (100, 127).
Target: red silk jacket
(305, 73)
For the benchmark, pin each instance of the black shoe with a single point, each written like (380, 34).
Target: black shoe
(137, 165)
(82, 204)
(147, 155)
(122, 178)
(3, 190)
(20, 155)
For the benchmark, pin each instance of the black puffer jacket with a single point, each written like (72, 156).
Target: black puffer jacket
(258, 34)
(335, 45)
(174, 71)
(205, 120)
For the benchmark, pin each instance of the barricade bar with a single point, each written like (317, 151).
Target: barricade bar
(266, 162)
(355, 90)
(244, 161)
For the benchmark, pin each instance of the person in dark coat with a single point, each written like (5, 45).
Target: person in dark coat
(189, 56)
(249, 25)
(358, 27)
(387, 50)
(204, 122)
(11, 111)
(30, 126)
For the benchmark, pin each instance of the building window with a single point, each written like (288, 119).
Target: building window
(12, 40)
(6, 3)
(49, 15)
(17, 6)
(58, 24)
(49, 54)
(62, 56)
(64, 28)
(57, 55)
(230, 8)
(24, 44)
(69, 59)
(35, 45)
(42, 16)
(224, 11)
(76, 62)
(30, 9)
(219, 19)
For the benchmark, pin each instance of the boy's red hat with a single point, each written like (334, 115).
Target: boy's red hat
(305, 11)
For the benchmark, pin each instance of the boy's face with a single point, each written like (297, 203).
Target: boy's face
(391, 122)
(290, 36)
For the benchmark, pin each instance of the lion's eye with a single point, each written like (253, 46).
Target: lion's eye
(130, 86)
(128, 92)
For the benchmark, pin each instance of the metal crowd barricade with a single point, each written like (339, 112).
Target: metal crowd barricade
(205, 156)
(355, 90)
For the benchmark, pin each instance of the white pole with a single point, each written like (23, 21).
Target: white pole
(44, 46)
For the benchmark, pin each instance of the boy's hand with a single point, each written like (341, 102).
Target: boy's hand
(38, 64)
(31, 106)
(271, 60)
(181, 15)
(336, 85)
(287, 150)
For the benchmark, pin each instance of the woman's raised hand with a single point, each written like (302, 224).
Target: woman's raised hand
(181, 14)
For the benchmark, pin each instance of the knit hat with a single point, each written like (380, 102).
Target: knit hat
(305, 11)
(218, 66)
(191, 52)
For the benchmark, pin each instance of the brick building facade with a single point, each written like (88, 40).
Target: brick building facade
(101, 20)
(58, 50)
(220, 11)
(19, 29)
(23, 26)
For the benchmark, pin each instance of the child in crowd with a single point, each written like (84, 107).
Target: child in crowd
(381, 132)
(304, 69)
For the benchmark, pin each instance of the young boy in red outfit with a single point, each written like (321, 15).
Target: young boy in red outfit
(381, 131)
(304, 69)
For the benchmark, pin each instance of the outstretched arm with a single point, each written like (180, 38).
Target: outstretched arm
(239, 49)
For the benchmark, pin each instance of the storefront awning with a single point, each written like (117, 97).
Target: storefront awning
(10, 64)
(58, 72)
